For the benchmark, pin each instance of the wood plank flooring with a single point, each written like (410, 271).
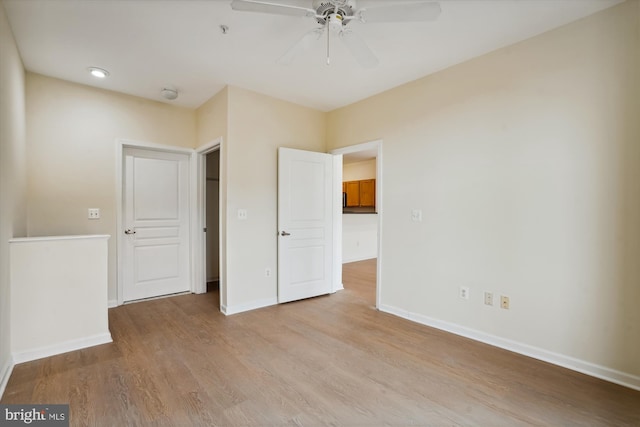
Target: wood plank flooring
(331, 360)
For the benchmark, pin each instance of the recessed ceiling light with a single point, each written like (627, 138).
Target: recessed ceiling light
(98, 72)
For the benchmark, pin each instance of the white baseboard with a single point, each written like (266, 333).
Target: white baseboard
(112, 303)
(5, 374)
(582, 366)
(340, 287)
(356, 259)
(64, 347)
(248, 306)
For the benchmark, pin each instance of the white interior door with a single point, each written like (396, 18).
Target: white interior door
(305, 222)
(156, 223)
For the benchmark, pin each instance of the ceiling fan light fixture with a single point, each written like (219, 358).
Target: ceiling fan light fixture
(335, 22)
(98, 72)
(334, 15)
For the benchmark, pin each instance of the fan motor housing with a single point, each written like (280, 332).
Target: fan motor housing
(326, 7)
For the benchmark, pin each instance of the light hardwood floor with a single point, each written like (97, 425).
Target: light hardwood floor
(331, 360)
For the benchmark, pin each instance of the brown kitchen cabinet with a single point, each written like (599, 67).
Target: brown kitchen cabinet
(352, 188)
(360, 193)
(368, 193)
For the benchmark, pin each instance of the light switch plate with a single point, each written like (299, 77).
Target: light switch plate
(242, 214)
(504, 302)
(416, 215)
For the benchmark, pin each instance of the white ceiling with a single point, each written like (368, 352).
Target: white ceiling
(147, 44)
(359, 156)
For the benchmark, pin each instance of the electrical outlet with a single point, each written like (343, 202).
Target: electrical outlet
(242, 214)
(504, 302)
(488, 298)
(416, 215)
(267, 272)
(94, 213)
(464, 292)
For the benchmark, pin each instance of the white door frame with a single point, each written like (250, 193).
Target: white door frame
(121, 144)
(337, 284)
(199, 219)
(377, 144)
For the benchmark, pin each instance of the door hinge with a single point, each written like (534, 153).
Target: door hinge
(204, 229)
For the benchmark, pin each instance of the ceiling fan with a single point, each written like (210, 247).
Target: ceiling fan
(333, 16)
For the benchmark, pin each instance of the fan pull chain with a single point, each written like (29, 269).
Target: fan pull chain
(328, 40)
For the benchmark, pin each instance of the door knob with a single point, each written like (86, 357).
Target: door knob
(284, 233)
(129, 231)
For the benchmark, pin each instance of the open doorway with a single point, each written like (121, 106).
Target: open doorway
(209, 247)
(362, 220)
(212, 224)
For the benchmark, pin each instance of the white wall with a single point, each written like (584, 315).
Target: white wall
(359, 237)
(13, 207)
(526, 165)
(71, 136)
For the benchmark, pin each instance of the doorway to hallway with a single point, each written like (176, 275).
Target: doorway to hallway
(361, 229)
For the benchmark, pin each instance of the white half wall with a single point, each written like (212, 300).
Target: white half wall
(58, 295)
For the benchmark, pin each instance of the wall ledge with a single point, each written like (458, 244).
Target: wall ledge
(57, 238)
(63, 347)
(578, 365)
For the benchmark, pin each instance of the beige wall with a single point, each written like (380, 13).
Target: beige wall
(359, 170)
(212, 119)
(258, 125)
(525, 163)
(71, 134)
(252, 126)
(71, 139)
(13, 208)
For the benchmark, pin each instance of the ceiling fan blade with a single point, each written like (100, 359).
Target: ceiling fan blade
(269, 7)
(359, 49)
(407, 12)
(301, 46)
